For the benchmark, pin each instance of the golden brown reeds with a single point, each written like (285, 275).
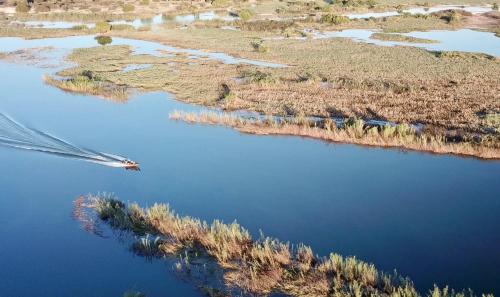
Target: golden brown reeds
(257, 267)
(356, 132)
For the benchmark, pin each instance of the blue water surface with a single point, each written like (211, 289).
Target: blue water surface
(433, 218)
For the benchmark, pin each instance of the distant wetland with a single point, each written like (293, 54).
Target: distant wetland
(298, 142)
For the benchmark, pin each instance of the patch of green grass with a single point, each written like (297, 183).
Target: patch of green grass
(87, 83)
(400, 38)
(334, 19)
(267, 25)
(245, 15)
(260, 77)
(492, 121)
(79, 27)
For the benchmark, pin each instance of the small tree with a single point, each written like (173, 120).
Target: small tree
(102, 27)
(103, 40)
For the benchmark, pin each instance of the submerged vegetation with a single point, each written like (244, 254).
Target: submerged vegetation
(255, 267)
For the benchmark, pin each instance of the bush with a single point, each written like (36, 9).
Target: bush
(495, 6)
(22, 6)
(145, 2)
(128, 7)
(103, 40)
(452, 18)
(259, 46)
(102, 27)
(334, 19)
(245, 15)
(260, 77)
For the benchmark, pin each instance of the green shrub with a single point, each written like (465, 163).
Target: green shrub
(145, 2)
(22, 6)
(245, 15)
(103, 40)
(260, 77)
(128, 7)
(495, 6)
(452, 18)
(334, 19)
(259, 46)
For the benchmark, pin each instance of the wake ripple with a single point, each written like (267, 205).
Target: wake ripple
(16, 135)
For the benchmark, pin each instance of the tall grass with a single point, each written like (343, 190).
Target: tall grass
(258, 267)
(86, 84)
(351, 131)
(334, 19)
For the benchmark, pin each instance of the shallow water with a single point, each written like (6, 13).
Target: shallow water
(178, 19)
(434, 218)
(420, 10)
(52, 24)
(133, 67)
(137, 23)
(10, 44)
(464, 40)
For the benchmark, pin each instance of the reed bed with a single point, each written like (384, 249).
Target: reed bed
(354, 131)
(255, 267)
(83, 84)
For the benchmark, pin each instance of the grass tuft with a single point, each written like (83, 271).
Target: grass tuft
(87, 83)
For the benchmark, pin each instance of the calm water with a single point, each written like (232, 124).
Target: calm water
(137, 23)
(421, 10)
(434, 218)
(464, 40)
